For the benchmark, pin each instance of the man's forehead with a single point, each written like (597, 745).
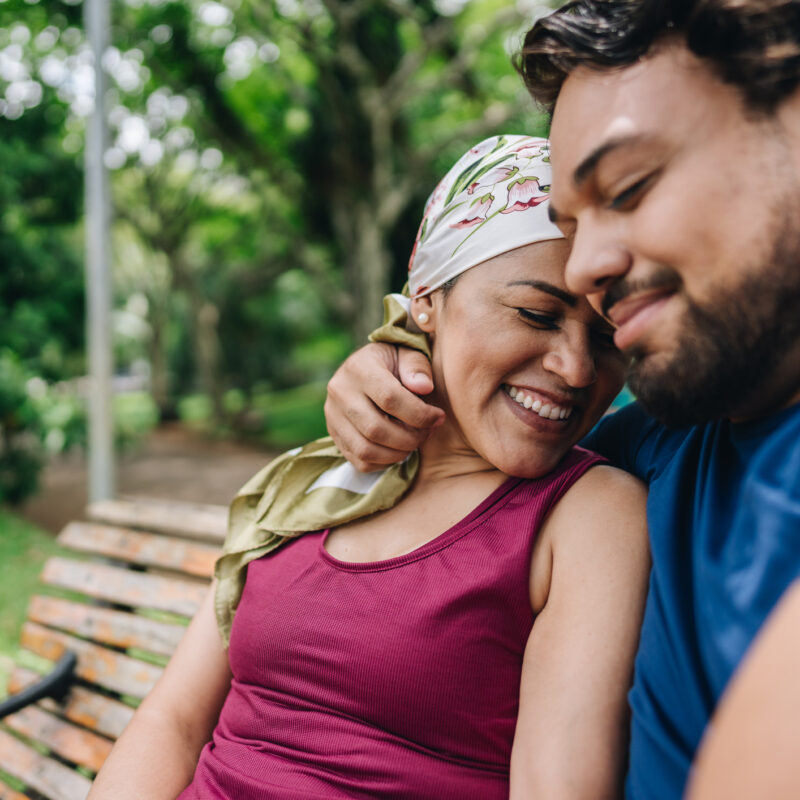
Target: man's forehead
(596, 105)
(661, 97)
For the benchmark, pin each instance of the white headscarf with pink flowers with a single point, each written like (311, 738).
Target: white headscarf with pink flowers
(493, 200)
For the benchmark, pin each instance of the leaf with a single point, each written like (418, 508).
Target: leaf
(466, 178)
(445, 213)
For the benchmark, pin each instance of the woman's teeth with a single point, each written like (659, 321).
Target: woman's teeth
(546, 410)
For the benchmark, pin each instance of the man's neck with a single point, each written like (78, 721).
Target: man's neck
(780, 391)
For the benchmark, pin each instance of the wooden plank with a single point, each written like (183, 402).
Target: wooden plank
(194, 520)
(63, 738)
(82, 706)
(125, 587)
(106, 626)
(144, 549)
(7, 793)
(96, 664)
(44, 775)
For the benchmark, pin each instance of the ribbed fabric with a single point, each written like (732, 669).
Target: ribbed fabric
(390, 679)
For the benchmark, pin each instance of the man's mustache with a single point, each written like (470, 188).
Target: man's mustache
(661, 278)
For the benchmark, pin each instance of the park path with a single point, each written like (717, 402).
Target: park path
(172, 463)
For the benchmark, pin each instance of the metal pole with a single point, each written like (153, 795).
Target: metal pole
(98, 266)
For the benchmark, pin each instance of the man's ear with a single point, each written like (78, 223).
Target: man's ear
(423, 313)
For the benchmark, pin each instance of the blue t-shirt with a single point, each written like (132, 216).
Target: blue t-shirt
(724, 520)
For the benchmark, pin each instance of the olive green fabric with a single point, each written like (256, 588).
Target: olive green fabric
(393, 330)
(307, 490)
(281, 502)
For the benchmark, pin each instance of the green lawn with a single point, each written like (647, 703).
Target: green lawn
(23, 550)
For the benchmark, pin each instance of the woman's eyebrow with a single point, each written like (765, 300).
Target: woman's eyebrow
(570, 299)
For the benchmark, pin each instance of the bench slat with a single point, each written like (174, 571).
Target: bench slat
(99, 665)
(63, 738)
(105, 625)
(94, 711)
(49, 777)
(145, 549)
(7, 793)
(125, 587)
(197, 521)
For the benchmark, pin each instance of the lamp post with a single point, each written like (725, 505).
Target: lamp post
(98, 266)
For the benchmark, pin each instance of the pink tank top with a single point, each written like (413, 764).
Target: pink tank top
(389, 679)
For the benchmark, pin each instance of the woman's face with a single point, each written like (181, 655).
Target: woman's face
(523, 368)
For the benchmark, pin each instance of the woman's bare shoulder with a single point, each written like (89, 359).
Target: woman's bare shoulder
(600, 499)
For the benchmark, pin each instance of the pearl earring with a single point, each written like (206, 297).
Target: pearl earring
(422, 317)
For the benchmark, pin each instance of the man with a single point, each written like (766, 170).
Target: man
(676, 175)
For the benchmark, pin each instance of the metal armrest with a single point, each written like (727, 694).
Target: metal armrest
(55, 685)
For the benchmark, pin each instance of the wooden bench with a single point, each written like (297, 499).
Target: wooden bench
(139, 572)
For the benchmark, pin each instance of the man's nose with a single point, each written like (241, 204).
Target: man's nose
(596, 260)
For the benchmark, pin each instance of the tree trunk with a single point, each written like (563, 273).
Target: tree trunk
(371, 267)
(159, 377)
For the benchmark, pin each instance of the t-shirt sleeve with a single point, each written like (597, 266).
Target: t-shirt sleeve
(627, 438)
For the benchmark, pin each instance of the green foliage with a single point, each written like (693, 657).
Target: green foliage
(135, 414)
(23, 551)
(269, 163)
(293, 416)
(277, 419)
(21, 433)
(41, 288)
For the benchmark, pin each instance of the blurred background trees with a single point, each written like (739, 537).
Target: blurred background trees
(269, 164)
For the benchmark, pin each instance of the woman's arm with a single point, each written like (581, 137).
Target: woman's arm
(157, 753)
(589, 578)
(752, 748)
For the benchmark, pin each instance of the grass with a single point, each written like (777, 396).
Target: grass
(283, 418)
(23, 550)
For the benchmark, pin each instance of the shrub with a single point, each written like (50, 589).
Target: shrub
(21, 433)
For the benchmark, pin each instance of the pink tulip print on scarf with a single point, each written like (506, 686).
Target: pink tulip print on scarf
(490, 202)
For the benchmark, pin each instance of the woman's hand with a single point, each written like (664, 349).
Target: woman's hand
(372, 410)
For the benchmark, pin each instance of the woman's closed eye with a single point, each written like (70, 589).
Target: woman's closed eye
(538, 318)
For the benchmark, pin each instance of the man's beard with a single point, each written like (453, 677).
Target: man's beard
(728, 348)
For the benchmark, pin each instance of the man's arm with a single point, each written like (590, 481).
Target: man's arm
(372, 410)
(752, 748)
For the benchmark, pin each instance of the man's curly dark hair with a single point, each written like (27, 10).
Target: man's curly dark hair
(752, 44)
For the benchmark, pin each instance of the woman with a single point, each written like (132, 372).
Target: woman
(481, 630)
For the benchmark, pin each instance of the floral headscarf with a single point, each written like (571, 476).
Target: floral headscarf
(493, 200)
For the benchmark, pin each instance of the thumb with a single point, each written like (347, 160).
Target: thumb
(414, 371)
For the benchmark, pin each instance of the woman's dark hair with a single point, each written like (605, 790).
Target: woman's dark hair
(752, 44)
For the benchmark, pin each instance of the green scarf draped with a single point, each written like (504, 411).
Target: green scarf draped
(307, 489)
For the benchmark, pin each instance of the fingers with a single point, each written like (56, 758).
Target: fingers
(364, 455)
(414, 370)
(373, 419)
(386, 392)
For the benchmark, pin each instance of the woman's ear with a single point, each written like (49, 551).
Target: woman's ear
(423, 313)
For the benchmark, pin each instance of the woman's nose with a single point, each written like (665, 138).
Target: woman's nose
(572, 360)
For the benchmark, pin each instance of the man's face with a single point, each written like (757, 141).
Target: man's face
(684, 214)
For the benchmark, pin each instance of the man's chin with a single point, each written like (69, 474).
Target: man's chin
(675, 394)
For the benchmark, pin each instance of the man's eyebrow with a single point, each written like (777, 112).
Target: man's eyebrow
(543, 286)
(589, 164)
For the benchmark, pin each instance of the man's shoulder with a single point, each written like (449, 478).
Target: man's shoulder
(775, 466)
(635, 441)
